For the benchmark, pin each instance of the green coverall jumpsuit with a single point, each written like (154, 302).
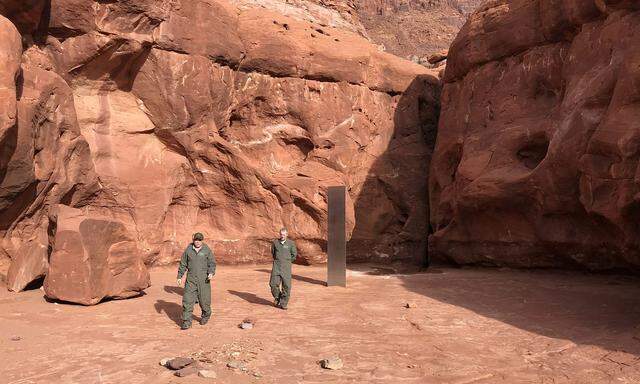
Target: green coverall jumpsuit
(198, 286)
(283, 255)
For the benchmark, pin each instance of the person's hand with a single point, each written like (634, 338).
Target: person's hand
(179, 282)
(210, 276)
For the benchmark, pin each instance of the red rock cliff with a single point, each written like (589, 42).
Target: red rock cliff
(537, 156)
(128, 125)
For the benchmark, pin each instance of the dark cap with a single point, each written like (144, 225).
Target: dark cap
(198, 236)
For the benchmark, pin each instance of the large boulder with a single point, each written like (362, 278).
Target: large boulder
(30, 262)
(537, 156)
(93, 258)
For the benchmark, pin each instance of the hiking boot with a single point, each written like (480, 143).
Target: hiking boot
(185, 326)
(204, 320)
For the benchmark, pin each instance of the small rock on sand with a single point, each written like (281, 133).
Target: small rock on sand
(411, 305)
(188, 371)
(16, 338)
(165, 360)
(179, 363)
(332, 363)
(247, 323)
(207, 374)
(237, 365)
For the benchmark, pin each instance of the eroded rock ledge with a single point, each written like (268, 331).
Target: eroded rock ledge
(536, 163)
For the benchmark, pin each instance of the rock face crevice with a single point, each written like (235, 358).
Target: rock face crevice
(536, 161)
(132, 124)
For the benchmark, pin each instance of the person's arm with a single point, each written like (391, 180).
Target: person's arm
(211, 264)
(182, 268)
(294, 251)
(273, 250)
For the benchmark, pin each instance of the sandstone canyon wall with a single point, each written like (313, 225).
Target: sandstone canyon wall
(537, 156)
(128, 125)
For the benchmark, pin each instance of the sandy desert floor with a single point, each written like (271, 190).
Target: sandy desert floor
(467, 326)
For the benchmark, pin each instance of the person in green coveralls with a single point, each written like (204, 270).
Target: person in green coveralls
(198, 259)
(284, 253)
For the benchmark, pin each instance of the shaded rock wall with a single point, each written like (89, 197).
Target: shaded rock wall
(536, 163)
(156, 119)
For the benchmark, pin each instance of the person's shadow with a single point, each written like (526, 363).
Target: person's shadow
(172, 310)
(251, 297)
(305, 279)
(174, 289)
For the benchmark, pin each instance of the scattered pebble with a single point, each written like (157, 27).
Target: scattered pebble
(438, 57)
(16, 338)
(235, 354)
(332, 363)
(188, 371)
(411, 305)
(247, 323)
(207, 374)
(165, 360)
(237, 365)
(257, 374)
(179, 363)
